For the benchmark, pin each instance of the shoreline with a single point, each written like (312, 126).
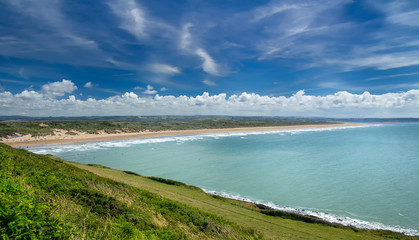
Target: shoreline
(324, 217)
(62, 138)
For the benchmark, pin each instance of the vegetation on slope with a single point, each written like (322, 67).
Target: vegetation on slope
(42, 128)
(43, 197)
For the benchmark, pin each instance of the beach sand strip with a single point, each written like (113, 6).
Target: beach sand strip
(61, 137)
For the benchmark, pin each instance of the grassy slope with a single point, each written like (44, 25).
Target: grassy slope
(116, 204)
(43, 197)
(245, 214)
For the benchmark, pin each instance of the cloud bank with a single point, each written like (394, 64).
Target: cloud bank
(50, 102)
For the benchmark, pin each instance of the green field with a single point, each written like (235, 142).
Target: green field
(44, 197)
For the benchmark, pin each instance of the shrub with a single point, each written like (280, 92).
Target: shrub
(23, 217)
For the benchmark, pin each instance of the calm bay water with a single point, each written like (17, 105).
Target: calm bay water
(365, 176)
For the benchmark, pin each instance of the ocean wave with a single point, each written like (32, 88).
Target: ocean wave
(89, 146)
(346, 221)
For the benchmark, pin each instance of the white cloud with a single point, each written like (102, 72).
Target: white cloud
(384, 61)
(163, 89)
(186, 38)
(29, 95)
(144, 26)
(298, 30)
(82, 42)
(406, 18)
(163, 68)
(136, 21)
(23, 73)
(209, 65)
(49, 12)
(291, 27)
(270, 10)
(399, 12)
(88, 85)
(138, 88)
(394, 45)
(150, 90)
(56, 89)
(132, 17)
(340, 104)
(209, 82)
(189, 47)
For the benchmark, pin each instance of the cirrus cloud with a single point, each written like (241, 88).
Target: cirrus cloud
(208, 65)
(163, 69)
(209, 82)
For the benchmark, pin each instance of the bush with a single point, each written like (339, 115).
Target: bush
(23, 217)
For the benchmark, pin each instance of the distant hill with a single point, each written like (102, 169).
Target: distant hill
(201, 117)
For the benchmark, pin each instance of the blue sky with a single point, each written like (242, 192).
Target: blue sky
(335, 58)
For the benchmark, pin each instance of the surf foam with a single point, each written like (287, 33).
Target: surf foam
(346, 221)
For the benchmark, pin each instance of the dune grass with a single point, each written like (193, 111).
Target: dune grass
(45, 197)
(42, 128)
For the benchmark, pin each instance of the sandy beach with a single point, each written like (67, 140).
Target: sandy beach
(61, 137)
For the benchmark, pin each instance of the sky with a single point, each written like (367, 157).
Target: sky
(337, 58)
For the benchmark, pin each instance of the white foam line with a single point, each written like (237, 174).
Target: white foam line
(346, 221)
(86, 146)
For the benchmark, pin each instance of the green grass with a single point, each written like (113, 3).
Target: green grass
(42, 128)
(44, 197)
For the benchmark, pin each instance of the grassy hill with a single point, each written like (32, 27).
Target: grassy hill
(44, 197)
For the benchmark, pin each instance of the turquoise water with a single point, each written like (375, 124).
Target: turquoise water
(364, 176)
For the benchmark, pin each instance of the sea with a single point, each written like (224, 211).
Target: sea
(365, 176)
